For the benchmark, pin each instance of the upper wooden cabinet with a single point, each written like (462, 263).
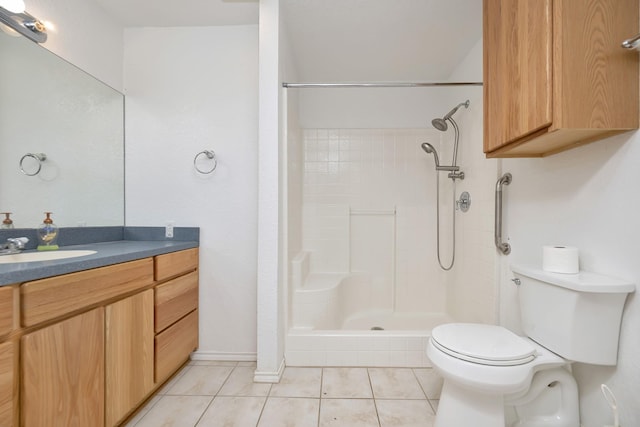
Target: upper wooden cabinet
(555, 76)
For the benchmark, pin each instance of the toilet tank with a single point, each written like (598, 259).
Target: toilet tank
(576, 316)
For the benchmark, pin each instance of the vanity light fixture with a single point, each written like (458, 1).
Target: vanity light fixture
(13, 14)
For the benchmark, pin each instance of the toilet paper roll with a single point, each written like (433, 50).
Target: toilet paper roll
(560, 259)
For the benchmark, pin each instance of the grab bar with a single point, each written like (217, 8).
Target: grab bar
(503, 247)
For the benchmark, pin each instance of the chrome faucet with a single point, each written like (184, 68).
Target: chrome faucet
(13, 245)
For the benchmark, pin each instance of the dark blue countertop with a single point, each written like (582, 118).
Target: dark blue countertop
(107, 253)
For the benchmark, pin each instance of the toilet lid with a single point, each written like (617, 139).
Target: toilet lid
(484, 344)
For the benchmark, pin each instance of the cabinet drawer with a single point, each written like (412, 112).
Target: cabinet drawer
(6, 310)
(57, 296)
(172, 264)
(174, 299)
(173, 346)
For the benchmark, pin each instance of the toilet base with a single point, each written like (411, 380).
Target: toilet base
(458, 407)
(550, 401)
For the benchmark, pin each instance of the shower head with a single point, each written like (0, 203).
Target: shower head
(441, 123)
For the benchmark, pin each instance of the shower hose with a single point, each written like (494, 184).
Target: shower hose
(453, 221)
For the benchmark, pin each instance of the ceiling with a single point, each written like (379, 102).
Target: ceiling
(339, 40)
(185, 13)
(381, 40)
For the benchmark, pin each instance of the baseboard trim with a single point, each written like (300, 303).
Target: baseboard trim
(214, 356)
(269, 377)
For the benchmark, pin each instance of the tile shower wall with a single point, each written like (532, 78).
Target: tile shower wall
(376, 181)
(472, 294)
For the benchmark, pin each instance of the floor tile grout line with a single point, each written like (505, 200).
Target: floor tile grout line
(205, 411)
(413, 371)
(320, 401)
(375, 403)
(264, 405)
(213, 397)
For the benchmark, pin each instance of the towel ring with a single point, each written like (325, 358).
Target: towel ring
(211, 155)
(38, 157)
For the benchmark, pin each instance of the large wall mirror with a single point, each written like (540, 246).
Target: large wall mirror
(49, 107)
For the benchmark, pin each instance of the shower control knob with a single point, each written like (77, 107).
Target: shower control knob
(464, 202)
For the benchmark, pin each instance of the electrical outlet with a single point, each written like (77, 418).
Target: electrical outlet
(168, 229)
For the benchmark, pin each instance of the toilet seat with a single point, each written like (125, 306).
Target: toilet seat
(483, 344)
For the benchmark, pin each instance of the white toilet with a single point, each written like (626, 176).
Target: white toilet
(495, 378)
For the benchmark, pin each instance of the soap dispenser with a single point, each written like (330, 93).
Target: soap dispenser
(7, 222)
(47, 234)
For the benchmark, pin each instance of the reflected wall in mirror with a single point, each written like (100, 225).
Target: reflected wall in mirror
(49, 106)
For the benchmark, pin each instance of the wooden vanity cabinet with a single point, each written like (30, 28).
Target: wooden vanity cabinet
(95, 344)
(555, 76)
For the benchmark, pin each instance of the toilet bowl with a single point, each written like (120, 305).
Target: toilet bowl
(488, 368)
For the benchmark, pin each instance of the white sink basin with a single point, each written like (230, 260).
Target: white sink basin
(42, 256)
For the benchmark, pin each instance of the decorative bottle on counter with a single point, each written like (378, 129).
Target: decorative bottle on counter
(7, 222)
(47, 234)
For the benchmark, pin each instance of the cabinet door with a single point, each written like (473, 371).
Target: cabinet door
(517, 70)
(129, 354)
(8, 398)
(62, 380)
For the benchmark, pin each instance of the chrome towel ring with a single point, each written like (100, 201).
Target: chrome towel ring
(38, 157)
(210, 155)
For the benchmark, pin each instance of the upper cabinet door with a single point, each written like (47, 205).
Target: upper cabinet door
(517, 70)
(555, 76)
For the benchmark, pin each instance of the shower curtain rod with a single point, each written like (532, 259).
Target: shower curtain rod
(387, 84)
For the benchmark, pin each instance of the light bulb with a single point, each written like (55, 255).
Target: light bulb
(15, 6)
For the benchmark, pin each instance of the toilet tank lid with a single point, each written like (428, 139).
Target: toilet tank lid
(581, 282)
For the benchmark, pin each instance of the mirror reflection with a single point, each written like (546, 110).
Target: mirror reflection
(61, 140)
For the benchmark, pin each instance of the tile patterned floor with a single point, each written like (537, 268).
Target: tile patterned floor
(223, 394)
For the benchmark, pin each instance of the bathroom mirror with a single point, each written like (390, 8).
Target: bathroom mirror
(61, 140)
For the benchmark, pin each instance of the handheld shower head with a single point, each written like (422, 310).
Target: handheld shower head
(441, 123)
(429, 149)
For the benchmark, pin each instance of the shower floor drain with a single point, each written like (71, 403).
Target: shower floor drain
(377, 328)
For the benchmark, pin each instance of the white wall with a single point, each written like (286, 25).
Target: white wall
(83, 34)
(585, 197)
(189, 90)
